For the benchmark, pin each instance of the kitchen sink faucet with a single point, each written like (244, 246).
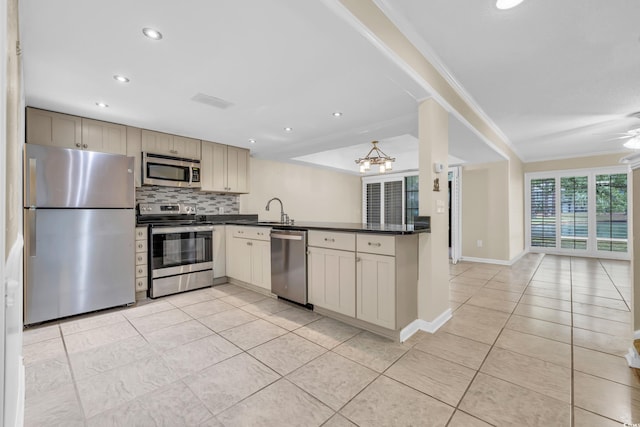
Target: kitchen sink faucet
(284, 218)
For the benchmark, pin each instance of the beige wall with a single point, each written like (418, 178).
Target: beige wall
(14, 135)
(575, 163)
(516, 208)
(308, 193)
(635, 247)
(485, 211)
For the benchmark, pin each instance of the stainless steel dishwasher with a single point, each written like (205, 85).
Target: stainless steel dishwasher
(289, 264)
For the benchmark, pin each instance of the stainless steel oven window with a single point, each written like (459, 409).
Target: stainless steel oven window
(180, 248)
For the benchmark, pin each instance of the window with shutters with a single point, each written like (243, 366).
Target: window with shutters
(578, 212)
(390, 199)
(543, 212)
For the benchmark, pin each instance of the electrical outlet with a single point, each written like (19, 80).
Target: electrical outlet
(220, 210)
(479, 243)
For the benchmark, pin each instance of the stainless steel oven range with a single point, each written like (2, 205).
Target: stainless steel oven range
(180, 248)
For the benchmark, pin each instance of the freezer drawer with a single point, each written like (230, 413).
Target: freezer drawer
(76, 261)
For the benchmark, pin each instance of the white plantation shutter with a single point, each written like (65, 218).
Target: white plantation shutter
(372, 203)
(393, 202)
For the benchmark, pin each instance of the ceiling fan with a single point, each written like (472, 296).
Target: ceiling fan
(632, 135)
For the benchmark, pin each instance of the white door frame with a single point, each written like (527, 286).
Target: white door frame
(456, 214)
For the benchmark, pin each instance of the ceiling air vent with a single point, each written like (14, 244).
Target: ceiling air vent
(211, 101)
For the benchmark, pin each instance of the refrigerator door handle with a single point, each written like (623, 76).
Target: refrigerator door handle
(31, 182)
(31, 230)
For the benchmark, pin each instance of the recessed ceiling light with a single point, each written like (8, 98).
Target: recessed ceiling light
(337, 114)
(101, 104)
(288, 129)
(152, 34)
(252, 141)
(507, 4)
(121, 79)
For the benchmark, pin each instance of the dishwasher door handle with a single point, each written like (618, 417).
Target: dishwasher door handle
(287, 236)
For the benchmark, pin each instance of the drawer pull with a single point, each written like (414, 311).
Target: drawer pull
(140, 245)
(249, 244)
(326, 239)
(375, 244)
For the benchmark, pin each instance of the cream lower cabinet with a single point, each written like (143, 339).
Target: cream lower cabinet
(332, 279)
(219, 251)
(376, 289)
(367, 276)
(249, 255)
(142, 278)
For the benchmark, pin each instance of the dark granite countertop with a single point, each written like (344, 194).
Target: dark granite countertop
(353, 227)
(338, 226)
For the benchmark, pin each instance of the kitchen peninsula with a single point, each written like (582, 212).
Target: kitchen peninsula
(362, 274)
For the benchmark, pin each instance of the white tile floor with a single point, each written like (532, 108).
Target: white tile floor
(539, 343)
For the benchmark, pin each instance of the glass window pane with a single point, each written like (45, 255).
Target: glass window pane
(574, 226)
(611, 212)
(411, 198)
(543, 212)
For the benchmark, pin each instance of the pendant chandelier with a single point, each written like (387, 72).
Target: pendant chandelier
(375, 157)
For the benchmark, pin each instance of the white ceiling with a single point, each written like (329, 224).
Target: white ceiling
(548, 74)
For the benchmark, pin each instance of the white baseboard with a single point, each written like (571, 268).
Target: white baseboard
(21, 394)
(423, 325)
(494, 261)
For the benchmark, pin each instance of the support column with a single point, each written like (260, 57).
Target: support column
(633, 357)
(433, 255)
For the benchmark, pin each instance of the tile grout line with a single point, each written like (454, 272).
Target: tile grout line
(614, 284)
(572, 385)
(475, 375)
(73, 377)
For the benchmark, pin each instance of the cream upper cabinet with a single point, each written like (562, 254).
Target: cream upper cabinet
(237, 170)
(170, 145)
(134, 149)
(56, 129)
(104, 137)
(213, 167)
(225, 169)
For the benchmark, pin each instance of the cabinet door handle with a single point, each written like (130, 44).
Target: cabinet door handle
(375, 244)
(78, 144)
(357, 259)
(85, 146)
(249, 244)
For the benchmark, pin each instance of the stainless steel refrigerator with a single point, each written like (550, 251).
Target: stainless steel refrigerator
(79, 223)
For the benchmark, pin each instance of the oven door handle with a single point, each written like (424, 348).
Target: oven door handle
(182, 229)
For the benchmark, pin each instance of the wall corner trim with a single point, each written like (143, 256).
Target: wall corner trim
(423, 325)
(633, 358)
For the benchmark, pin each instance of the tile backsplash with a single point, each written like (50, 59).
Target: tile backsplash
(207, 203)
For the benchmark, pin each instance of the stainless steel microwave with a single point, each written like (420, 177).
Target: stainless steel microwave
(170, 171)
